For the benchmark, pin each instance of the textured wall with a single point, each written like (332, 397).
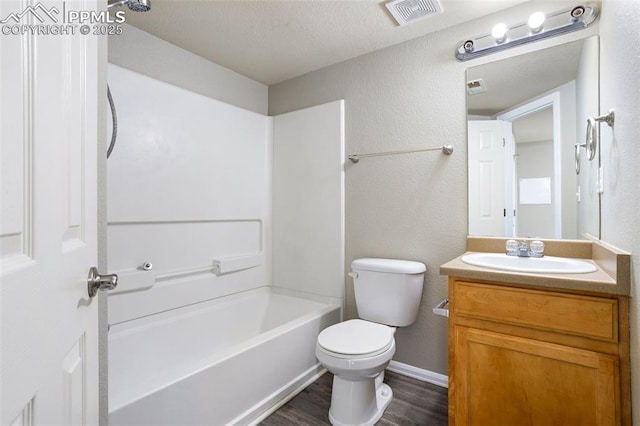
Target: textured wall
(411, 95)
(620, 89)
(139, 51)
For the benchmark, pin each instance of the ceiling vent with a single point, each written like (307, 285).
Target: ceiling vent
(476, 86)
(409, 11)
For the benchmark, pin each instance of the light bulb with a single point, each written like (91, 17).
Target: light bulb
(536, 21)
(499, 31)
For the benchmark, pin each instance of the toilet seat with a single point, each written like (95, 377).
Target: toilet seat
(356, 338)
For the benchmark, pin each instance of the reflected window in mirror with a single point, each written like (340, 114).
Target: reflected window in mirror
(525, 115)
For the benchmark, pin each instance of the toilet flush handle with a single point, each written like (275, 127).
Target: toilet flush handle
(353, 274)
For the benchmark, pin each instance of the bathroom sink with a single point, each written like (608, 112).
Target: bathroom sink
(541, 265)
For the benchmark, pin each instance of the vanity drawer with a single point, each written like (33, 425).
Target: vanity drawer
(586, 316)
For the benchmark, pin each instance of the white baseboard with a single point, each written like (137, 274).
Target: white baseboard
(419, 373)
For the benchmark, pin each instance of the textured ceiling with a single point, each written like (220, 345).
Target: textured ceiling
(274, 40)
(514, 80)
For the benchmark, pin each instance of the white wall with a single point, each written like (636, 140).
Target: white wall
(308, 200)
(567, 156)
(587, 105)
(534, 220)
(619, 89)
(411, 95)
(565, 152)
(140, 51)
(188, 182)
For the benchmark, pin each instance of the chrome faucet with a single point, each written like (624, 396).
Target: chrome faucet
(525, 248)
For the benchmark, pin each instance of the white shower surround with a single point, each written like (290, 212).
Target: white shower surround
(189, 185)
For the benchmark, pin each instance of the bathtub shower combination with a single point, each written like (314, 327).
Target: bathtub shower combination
(224, 361)
(230, 254)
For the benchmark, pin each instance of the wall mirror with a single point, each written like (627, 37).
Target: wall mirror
(525, 115)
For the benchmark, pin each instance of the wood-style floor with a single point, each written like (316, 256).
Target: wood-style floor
(414, 403)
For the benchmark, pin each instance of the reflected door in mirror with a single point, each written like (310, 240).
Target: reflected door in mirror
(490, 189)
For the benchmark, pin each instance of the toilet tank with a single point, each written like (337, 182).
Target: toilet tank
(388, 291)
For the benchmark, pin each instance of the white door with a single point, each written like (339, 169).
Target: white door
(490, 212)
(48, 231)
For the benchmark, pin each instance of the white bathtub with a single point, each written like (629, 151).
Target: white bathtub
(224, 361)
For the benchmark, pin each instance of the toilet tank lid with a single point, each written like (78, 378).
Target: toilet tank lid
(396, 266)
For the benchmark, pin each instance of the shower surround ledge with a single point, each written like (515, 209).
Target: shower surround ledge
(613, 275)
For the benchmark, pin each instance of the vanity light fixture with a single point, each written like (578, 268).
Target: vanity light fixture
(536, 21)
(498, 32)
(539, 26)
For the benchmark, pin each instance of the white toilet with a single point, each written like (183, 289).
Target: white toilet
(387, 293)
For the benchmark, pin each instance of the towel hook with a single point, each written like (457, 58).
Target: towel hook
(591, 143)
(609, 118)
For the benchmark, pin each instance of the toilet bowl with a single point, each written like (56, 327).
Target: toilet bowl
(357, 351)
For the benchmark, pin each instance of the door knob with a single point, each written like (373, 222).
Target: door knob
(97, 282)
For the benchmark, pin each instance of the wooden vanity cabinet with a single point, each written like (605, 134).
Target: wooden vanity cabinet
(522, 356)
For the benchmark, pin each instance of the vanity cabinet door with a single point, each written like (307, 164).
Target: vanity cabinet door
(508, 380)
